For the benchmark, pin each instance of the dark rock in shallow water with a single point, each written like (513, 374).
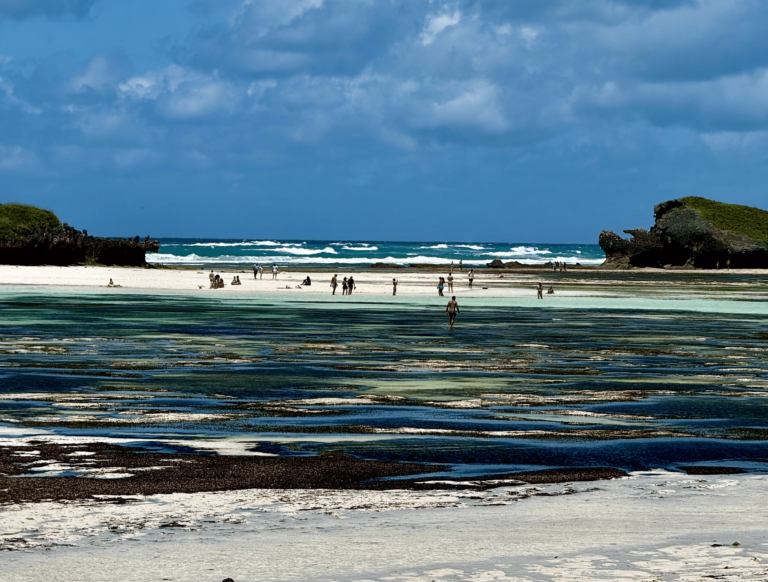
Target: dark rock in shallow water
(68, 246)
(712, 470)
(495, 264)
(693, 233)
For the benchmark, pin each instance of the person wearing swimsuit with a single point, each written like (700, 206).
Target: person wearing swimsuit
(452, 309)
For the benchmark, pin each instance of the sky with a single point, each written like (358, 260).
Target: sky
(463, 120)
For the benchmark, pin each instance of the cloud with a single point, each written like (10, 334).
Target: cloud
(262, 82)
(477, 106)
(437, 24)
(17, 159)
(23, 9)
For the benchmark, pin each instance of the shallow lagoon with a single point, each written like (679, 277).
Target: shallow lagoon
(622, 381)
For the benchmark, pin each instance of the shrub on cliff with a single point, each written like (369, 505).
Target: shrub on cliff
(19, 219)
(746, 220)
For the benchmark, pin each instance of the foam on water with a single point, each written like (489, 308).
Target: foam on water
(178, 251)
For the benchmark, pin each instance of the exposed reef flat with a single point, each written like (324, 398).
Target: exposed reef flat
(693, 232)
(96, 470)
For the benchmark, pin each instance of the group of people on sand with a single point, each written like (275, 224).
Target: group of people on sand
(559, 266)
(215, 280)
(258, 271)
(347, 285)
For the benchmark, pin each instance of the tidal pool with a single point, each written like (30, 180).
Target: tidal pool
(582, 381)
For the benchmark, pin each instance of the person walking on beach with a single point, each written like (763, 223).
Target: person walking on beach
(452, 309)
(394, 287)
(471, 277)
(450, 283)
(350, 286)
(261, 271)
(344, 286)
(334, 284)
(539, 292)
(440, 286)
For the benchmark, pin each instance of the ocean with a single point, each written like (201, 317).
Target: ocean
(331, 253)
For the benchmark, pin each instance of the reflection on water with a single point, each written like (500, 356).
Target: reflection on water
(513, 385)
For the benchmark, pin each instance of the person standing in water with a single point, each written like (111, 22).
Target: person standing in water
(452, 309)
(471, 277)
(350, 286)
(539, 292)
(334, 284)
(394, 287)
(450, 283)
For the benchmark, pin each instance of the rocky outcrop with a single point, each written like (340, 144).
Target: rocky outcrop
(68, 246)
(683, 237)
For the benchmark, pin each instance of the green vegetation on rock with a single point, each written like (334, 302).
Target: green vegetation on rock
(19, 219)
(744, 220)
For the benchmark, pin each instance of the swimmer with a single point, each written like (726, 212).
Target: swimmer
(550, 291)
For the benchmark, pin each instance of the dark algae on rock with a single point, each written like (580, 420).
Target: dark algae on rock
(693, 232)
(33, 236)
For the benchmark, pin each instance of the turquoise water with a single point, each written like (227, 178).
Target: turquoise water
(339, 253)
(574, 381)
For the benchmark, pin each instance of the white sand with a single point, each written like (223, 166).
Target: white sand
(367, 283)
(653, 526)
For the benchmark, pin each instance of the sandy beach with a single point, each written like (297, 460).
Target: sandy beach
(652, 526)
(371, 282)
